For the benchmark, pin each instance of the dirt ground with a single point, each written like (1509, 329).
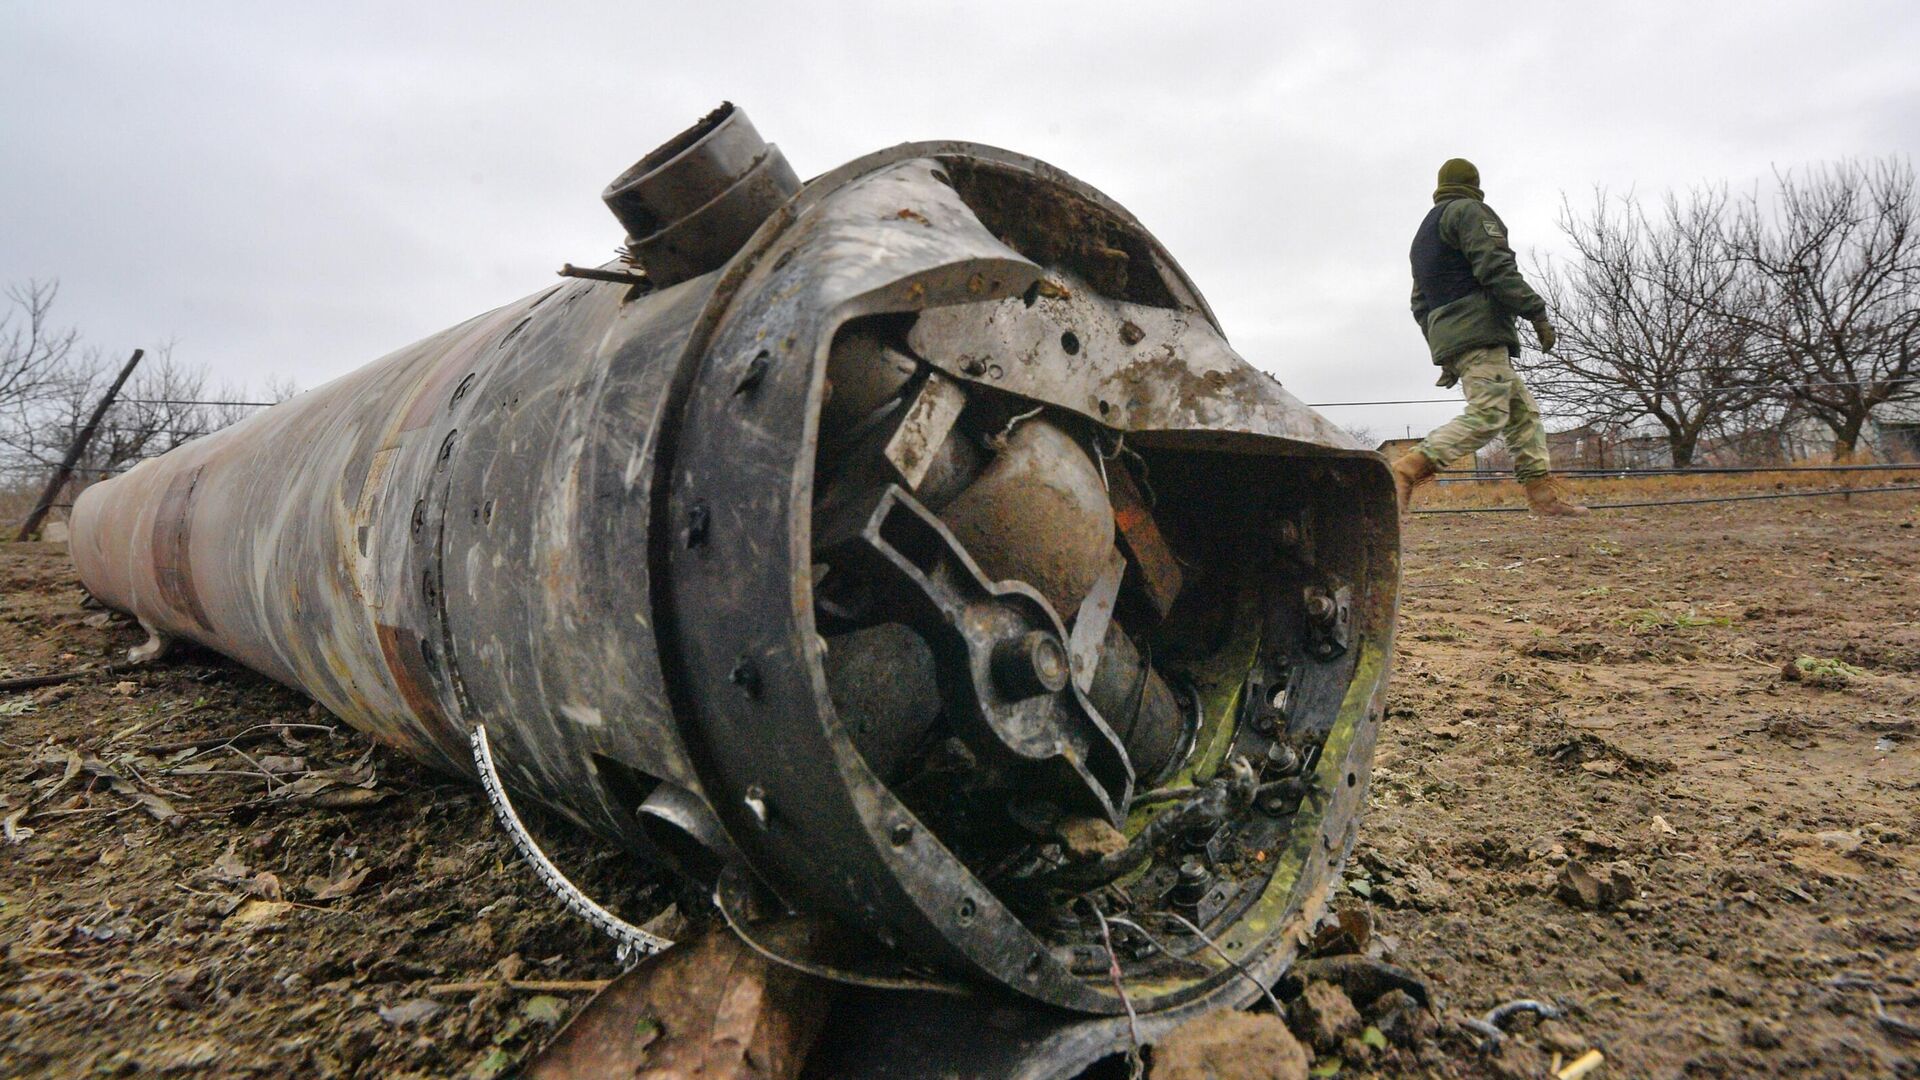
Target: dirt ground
(1600, 786)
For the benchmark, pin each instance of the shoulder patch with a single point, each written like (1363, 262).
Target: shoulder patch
(1493, 229)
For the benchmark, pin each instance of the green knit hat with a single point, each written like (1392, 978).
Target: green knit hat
(1459, 171)
(1458, 179)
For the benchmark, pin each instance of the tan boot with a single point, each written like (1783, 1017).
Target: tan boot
(1544, 498)
(1410, 470)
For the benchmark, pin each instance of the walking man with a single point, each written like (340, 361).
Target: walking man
(1467, 292)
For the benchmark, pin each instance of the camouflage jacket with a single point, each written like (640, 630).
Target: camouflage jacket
(1467, 286)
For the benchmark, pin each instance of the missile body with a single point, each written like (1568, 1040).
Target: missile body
(911, 538)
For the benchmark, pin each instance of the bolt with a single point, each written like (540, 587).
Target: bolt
(1321, 608)
(973, 365)
(1032, 664)
(902, 832)
(1192, 886)
(756, 801)
(1197, 838)
(1283, 758)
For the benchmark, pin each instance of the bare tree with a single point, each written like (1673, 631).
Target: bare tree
(50, 385)
(32, 349)
(1646, 317)
(1836, 262)
(166, 405)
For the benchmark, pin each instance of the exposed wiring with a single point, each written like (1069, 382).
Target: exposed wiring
(1135, 1067)
(1235, 964)
(821, 971)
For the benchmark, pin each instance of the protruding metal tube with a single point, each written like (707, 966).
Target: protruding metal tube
(689, 205)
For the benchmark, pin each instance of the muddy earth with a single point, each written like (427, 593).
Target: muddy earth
(1659, 769)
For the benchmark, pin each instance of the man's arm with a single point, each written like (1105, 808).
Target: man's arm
(1471, 227)
(1420, 307)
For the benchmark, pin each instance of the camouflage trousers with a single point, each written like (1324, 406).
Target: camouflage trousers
(1497, 404)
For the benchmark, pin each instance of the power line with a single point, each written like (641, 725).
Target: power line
(191, 401)
(1681, 502)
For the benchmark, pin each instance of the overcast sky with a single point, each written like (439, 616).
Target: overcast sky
(293, 190)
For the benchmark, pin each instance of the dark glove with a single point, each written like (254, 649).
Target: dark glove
(1544, 331)
(1448, 377)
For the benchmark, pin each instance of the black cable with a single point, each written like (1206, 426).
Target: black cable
(1681, 502)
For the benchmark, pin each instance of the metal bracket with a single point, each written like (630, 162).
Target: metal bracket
(1329, 620)
(631, 943)
(1000, 650)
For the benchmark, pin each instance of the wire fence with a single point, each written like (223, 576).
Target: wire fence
(1637, 504)
(1704, 391)
(1448, 476)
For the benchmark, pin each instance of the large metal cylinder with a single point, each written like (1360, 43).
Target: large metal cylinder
(627, 528)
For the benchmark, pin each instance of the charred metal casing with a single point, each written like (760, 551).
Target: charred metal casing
(588, 521)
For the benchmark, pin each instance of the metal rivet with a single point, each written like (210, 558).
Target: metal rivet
(902, 832)
(756, 801)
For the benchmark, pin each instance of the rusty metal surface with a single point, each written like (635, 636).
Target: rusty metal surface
(589, 521)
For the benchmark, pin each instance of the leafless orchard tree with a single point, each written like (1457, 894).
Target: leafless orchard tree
(1654, 318)
(1835, 261)
(165, 404)
(32, 349)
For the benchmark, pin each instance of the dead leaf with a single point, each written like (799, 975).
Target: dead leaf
(281, 764)
(13, 830)
(410, 1012)
(543, 1009)
(345, 798)
(346, 884)
(126, 688)
(1601, 767)
(254, 912)
(229, 866)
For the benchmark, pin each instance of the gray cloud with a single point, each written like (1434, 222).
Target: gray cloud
(289, 191)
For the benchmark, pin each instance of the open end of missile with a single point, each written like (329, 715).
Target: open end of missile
(1103, 668)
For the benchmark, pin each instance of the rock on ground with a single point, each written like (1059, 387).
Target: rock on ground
(1228, 1045)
